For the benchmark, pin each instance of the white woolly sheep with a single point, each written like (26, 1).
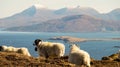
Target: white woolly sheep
(78, 57)
(49, 49)
(22, 50)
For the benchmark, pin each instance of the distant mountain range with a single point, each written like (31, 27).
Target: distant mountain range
(78, 19)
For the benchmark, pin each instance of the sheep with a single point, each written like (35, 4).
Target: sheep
(78, 56)
(21, 50)
(49, 49)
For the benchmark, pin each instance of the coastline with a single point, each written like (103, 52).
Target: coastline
(76, 39)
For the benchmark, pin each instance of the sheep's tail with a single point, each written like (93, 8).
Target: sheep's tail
(62, 51)
(26, 52)
(29, 54)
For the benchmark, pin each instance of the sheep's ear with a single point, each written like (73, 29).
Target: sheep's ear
(70, 45)
(77, 45)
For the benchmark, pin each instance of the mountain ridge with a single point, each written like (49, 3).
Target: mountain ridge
(40, 15)
(74, 23)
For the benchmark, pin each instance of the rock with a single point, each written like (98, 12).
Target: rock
(69, 39)
(117, 60)
(106, 58)
(111, 57)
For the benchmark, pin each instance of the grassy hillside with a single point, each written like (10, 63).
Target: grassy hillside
(14, 59)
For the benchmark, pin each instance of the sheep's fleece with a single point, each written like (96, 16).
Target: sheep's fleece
(49, 49)
(21, 50)
(78, 56)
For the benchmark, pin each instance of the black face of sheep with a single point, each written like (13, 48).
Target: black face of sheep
(1, 48)
(36, 42)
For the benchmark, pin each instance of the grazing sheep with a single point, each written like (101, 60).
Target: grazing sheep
(78, 57)
(49, 49)
(22, 50)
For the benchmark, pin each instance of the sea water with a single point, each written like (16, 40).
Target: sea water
(96, 49)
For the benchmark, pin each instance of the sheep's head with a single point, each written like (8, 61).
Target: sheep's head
(74, 47)
(2, 48)
(37, 42)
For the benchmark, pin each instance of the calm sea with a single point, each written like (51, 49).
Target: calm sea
(96, 49)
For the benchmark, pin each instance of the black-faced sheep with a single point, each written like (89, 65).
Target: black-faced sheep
(21, 50)
(78, 57)
(49, 49)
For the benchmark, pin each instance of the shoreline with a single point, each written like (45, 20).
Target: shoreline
(75, 39)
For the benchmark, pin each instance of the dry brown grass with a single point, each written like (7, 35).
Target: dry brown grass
(18, 60)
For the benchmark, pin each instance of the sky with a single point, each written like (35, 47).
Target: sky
(11, 7)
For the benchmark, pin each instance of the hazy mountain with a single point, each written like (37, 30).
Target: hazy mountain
(74, 23)
(37, 14)
(115, 14)
(76, 11)
(42, 17)
(32, 15)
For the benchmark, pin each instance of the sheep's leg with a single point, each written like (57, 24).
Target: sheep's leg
(46, 54)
